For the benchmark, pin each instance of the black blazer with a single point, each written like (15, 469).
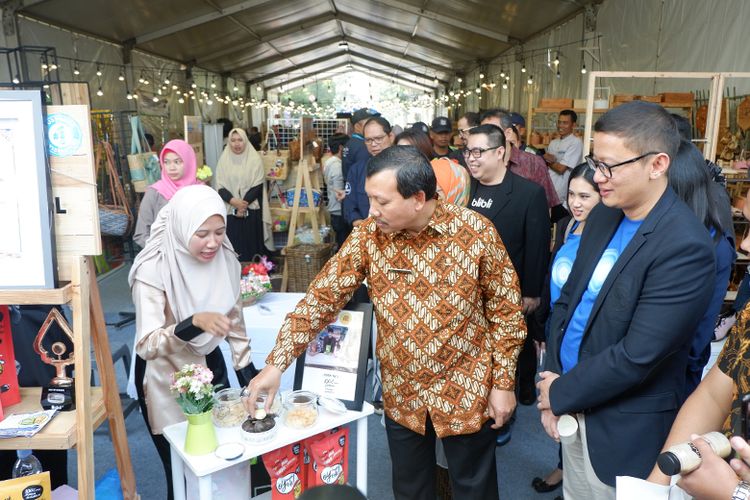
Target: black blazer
(522, 220)
(632, 359)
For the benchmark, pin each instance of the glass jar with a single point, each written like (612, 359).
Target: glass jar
(228, 408)
(260, 403)
(300, 409)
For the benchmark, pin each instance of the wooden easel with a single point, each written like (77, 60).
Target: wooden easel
(77, 235)
(307, 182)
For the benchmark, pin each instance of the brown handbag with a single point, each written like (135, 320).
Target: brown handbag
(116, 218)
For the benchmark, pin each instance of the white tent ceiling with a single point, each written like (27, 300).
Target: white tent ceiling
(273, 41)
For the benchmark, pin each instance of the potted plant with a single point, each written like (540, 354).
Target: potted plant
(194, 392)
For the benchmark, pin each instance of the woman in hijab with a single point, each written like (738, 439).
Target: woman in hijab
(186, 291)
(178, 167)
(240, 180)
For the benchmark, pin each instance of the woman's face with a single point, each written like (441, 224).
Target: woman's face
(207, 240)
(237, 143)
(174, 166)
(582, 197)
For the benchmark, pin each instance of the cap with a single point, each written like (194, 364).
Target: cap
(441, 124)
(421, 126)
(363, 114)
(517, 119)
(669, 463)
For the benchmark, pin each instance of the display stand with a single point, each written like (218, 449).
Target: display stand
(307, 182)
(77, 235)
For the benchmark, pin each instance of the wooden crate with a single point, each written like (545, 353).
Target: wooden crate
(650, 98)
(677, 98)
(622, 98)
(555, 103)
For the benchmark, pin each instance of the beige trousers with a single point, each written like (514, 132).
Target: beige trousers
(579, 479)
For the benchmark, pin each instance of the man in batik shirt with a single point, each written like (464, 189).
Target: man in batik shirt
(448, 307)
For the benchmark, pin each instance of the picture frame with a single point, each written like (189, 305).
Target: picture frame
(335, 363)
(27, 247)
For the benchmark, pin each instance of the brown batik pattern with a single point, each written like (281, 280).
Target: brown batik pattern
(734, 361)
(449, 329)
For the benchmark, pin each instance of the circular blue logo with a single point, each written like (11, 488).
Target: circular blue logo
(65, 136)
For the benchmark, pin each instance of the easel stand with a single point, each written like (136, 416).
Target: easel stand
(307, 182)
(93, 404)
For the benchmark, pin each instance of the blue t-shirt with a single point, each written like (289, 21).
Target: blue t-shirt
(564, 259)
(571, 342)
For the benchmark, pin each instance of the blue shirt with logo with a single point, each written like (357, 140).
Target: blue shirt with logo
(564, 259)
(571, 342)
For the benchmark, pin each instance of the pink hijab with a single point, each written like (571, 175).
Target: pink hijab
(166, 186)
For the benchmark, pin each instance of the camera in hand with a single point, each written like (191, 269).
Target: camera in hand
(685, 457)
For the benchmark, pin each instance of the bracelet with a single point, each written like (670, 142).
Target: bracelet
(742, 491)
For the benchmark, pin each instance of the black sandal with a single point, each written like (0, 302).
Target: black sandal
(542, 486)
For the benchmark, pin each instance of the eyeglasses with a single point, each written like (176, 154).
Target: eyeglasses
(375, 140)
(476, 152)
(606, 170)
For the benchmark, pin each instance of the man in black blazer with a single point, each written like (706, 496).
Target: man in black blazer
(621, 331)
(518, 209)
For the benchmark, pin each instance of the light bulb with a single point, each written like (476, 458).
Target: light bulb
(583, 70)
(460, 80)
(530, 80)
(193, 86)
(129, 97)
(258, 88)
(213, 84)
(135, 96)
(505, 86)
(155, 99)
(558, 74)
(121, 77)
(166, 81)
(145, 81)
(502, 73)
(523, 69)
(209, 102)
(141, 79)
(557, 59)
(16, 80)
(53, 66)
(44, 64)
(478, 90)
(174, 87)
(235, 88)
(481, 76)
(99, 92)
(76, 71)
(98, 70)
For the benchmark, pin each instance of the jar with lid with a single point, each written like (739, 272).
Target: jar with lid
(228, 409)
(300, 409)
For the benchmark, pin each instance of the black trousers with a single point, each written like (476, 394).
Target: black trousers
(471, 462)
(527, 362)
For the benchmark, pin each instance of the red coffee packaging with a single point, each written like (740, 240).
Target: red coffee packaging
(285, 467)
(329, 456)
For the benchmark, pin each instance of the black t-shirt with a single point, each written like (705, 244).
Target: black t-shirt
(484, 198)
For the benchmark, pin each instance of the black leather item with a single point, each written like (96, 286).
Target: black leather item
(542, 486)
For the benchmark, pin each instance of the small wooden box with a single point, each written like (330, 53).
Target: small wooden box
(677, 98)
(621, 98)
(650, 98)
(555, 103)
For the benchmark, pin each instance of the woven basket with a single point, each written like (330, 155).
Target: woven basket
(304, 262)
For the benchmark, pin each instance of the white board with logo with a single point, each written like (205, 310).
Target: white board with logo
(26, 242)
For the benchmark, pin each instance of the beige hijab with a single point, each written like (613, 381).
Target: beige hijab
(191, 286)
(237, 173)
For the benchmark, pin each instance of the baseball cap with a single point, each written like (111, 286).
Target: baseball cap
(363, 114)
(421, 126)
(441, 124)
(517, 119)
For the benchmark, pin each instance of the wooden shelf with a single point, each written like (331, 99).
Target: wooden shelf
(577, 110)
(54, 296)
(60, 433)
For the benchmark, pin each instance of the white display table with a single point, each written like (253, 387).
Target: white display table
(205, 465)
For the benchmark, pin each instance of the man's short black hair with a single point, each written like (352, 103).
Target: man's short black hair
(502, 114)
(495, 135)
(385, 124)
(643, 127)
(337, 141)
(472, 118)
(413, 171)
(572, 114)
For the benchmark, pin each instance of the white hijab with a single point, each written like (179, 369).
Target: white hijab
(191, 286)
(237, 173)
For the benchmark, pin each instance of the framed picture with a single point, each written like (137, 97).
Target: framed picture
(335, 363)
(27, 257)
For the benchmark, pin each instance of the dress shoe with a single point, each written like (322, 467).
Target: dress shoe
(543, 486)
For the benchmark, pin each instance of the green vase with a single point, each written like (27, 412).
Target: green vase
(200, 438)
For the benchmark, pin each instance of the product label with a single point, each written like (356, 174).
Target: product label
(331, 474)
(286, 483)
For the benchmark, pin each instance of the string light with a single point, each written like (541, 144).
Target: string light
(583, 69)
(100, 92)
(129, 96)
(98, 70)
(122, 76)
(76, 71)
(557, 59)
(523, 68)
(530, 80)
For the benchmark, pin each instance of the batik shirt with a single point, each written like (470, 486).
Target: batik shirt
(448, 308)
(734, 362)
(532, 167)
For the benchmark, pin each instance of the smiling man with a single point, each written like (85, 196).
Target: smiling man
(448, 311)
(621, 331)
(517, 208)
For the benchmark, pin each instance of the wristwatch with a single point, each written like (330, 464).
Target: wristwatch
(742, 491)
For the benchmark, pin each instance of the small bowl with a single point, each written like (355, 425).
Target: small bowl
(256, 431)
